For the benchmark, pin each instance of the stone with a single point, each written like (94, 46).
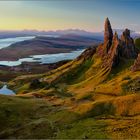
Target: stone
(113, 49)
(108, 36)
(128, 46)
(114, 52)
(112, 59)
(108, 33)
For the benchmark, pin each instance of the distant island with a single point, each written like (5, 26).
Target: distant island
(46, 45)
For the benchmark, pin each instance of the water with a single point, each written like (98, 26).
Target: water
(9, 41)
(44, 59)
(4, 90)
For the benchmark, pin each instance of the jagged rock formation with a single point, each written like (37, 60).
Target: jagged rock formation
(88, 53)
(108, 35)
(136, 66)
(113, 48)
(112, 58)
(128, 47)
(114, 52)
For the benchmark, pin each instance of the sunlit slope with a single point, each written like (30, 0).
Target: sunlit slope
(102, 69)
(81, 93)
(25, 117)
(81, 76)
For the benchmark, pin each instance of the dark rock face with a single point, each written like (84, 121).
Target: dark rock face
(113, 57)
(108, 33)
(128, 46)
(114, 51)
(136, 66)
(113, 48)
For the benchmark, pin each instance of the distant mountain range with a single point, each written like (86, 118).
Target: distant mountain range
(9, 34)
(95, 35)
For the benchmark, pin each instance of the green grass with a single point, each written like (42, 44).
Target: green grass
(137, 43)
(19, 117)
(84, 129)
(57, 116)
(30, 118)
(77, 74)
(87, 96)
(123, 65)
(133, 86)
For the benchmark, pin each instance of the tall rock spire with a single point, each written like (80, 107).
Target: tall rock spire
(113, 49)
(108, 33)
(108, 36)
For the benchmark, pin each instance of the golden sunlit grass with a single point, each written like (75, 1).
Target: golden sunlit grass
(119, 106)
(88, 95)
(40, 118)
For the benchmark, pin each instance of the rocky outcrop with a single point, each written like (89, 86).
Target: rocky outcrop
(114, 52)
(87, 54)
(128, 46)
(108, 35)
(136, 66)
(113, 49)
(112, 59)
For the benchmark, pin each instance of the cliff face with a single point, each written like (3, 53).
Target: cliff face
(108, 33)
(108, 36)
(114, 52)
(113, 48)
(127, 43)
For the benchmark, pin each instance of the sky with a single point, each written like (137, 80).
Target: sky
(69, 14)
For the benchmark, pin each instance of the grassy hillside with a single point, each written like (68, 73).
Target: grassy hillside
(64, 109)
(27, 117)
(80, 99)
(80, 78)
(137, 43)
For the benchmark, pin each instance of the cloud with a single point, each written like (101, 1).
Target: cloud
(134, 24)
